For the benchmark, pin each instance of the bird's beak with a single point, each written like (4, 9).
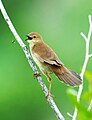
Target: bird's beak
(28, 37)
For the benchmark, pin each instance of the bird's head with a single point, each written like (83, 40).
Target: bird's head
(33, 37)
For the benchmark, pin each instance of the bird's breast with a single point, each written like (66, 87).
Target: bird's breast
(42, 66)
(36, 60)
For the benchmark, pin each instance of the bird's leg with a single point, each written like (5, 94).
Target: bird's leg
(37, 74)
(49, 88)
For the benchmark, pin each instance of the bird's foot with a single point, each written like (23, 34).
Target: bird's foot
(37, 74)
(49, 95)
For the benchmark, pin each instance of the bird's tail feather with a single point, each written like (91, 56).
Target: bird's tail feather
(67, 76)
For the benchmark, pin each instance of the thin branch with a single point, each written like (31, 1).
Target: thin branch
(82, 34)
(69, 115)
(90, 21)
(87, 39)
(90, 55)
(30, 61)
(90, 106)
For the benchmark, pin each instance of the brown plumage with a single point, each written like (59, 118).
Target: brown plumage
(48, 62)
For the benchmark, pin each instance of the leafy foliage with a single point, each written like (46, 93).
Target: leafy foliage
(82, 106)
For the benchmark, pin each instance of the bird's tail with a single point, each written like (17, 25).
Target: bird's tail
(67, 76)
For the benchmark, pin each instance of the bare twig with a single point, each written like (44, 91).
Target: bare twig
(69, 115)
(90, 55)
(87, 56)
(90, 106)
(30, 61)
(82, 34)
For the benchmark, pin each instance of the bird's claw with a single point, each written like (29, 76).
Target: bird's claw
(37, 75)
(49, 95)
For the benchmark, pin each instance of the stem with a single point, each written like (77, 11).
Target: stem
(90, 55)
(30, 61)
(90, 106)
(87, 55)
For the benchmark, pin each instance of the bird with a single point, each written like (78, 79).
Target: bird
(49, 63)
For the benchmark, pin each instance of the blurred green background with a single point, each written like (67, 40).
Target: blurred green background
(60, 23)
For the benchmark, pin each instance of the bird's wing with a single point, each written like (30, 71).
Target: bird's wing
(45, 54)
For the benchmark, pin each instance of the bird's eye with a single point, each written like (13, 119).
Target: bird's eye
(34, 36)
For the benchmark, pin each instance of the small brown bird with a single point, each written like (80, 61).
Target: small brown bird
(48, 62)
